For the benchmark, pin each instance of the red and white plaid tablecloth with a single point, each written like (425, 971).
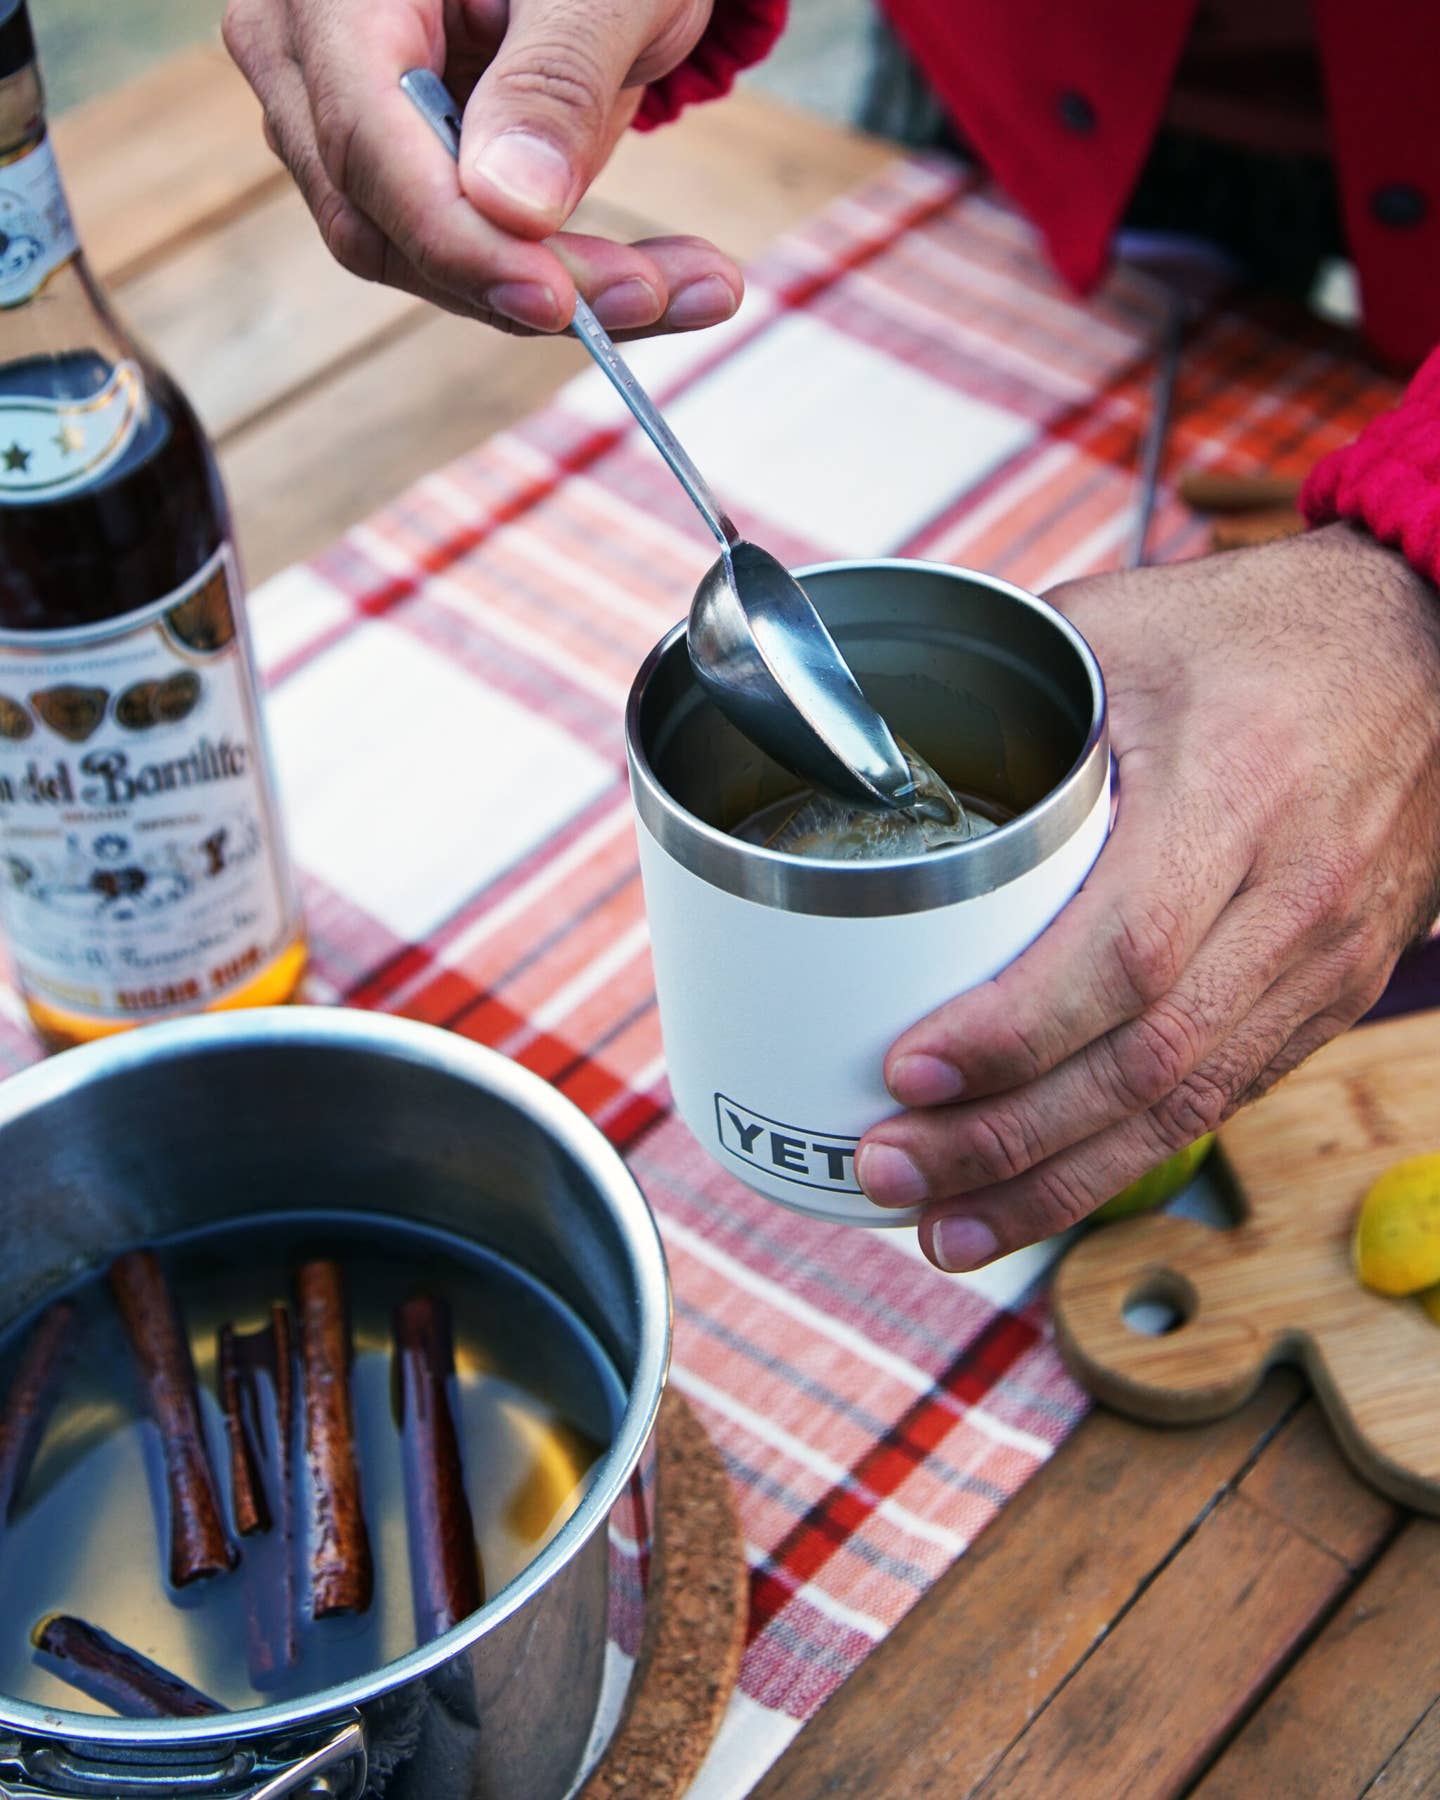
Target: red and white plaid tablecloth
(446, 691)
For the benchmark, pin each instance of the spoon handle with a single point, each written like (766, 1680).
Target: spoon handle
(432, 99)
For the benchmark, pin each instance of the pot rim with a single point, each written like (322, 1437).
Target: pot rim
(411, 1041)
(899, 884)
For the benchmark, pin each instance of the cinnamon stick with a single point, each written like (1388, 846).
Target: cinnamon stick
(117, 1676)
(240, 1402)
(28, 1402)
(1263, 525)
(445, 1577)
(1211, 490)
(262, 1482)
(342, 1577)
(198, 1542)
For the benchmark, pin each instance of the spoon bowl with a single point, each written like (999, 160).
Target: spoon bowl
(765, 657)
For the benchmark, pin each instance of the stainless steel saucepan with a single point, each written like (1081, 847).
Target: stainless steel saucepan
(184, 1125)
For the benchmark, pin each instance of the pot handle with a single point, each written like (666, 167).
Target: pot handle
(334, 1770)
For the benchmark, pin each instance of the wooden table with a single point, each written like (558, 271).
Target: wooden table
(1223, 1609)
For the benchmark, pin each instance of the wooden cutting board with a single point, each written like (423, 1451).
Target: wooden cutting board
(1279, 1287)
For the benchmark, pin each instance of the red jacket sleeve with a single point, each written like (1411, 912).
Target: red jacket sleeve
(740, 34)
(1388, 480)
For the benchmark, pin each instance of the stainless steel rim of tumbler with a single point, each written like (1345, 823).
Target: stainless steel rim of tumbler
(612, 1182)
(903, 884)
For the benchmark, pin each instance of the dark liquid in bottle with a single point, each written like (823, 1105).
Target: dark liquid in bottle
(138, 532)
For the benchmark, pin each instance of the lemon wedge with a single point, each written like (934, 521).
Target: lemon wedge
(1397, 1235)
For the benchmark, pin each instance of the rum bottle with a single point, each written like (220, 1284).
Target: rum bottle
(142, 866)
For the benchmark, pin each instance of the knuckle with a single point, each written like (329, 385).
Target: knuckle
(1020, 1054)
(1148, 949)
(1155, 1055)
(557, 73)
(676, 38)
(352, 240)
(1310, 1038)
(421, 253)
(1199, 1105)
(1061, 1197)
(419, 250)
(1001, 1146)
(1331, 884)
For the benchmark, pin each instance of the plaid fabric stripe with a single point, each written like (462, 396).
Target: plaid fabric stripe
(905, 378)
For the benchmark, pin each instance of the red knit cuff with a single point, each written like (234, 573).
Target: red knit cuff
(740, 34)
(1388, 480)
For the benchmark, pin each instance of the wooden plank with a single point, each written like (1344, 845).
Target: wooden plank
(303, 475)
(1359, 1699)
(160, 159)
(254, 312)
(1302, 1481)
(1145, 1713)
(250, 313)
(931, 1711)
(739, 171)
(1413, 1773)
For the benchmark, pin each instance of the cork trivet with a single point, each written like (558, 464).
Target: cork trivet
(695, 1617)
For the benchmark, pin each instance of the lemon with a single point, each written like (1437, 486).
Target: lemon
(1431, 1302)
(1397, 1235)
(1159, 1184)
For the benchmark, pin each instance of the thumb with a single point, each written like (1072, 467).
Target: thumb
(538, 125)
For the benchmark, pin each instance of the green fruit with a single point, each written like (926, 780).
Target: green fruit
(1159, 1184)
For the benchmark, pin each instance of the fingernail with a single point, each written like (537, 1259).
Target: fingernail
(888, 1176)
(704, 302)
(528, 170)
(958, 1244)
(920, 1080)
(526, 302)
(627, 305)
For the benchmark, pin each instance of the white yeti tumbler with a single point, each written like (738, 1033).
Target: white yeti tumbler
(782, 980)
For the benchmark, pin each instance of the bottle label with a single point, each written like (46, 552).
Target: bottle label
(49, 448)
(141, 867)
(36, 231)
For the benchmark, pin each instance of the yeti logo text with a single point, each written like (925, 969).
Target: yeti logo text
(809, 1158)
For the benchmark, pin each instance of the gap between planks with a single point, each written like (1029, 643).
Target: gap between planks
(1364, 1699)
(1110, 1620)
(1236, 1534)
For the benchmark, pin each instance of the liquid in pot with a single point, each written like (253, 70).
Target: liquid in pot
(535, 1399)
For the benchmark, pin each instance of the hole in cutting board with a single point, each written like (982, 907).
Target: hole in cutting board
(1161, 1302)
